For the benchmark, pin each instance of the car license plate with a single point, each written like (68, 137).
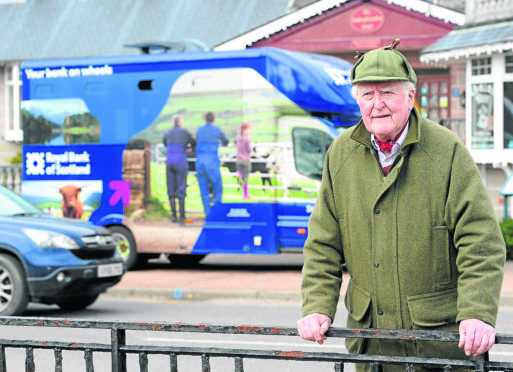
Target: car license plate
(110, 270)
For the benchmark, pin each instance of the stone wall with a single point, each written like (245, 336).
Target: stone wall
(136, 170)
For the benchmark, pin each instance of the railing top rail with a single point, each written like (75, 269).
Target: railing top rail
(238, 329)
(119, 348)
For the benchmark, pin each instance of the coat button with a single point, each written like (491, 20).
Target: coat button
(377, 211)
(380, 312)
(376, 264)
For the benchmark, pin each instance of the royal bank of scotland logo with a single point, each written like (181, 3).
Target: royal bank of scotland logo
(35, 163)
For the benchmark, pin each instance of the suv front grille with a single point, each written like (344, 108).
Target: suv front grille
(97, 247)
(98, 240)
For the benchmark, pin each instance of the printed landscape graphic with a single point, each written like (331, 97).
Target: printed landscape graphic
(234, 96)
(58, 122)
(279, 129)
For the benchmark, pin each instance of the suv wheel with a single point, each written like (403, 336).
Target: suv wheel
(13, 288)
(125, 245)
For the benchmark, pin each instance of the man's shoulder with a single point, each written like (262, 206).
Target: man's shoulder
(441, 145)
(433, 134)
(347, 133)
(344, 141)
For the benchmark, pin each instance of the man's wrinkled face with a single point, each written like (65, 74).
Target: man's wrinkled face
(385, 107)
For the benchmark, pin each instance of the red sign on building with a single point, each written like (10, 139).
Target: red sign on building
(367, 19)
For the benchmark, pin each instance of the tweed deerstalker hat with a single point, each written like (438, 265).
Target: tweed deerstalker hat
(383, 64)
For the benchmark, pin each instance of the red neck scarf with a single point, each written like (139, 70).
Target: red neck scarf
(389, 144)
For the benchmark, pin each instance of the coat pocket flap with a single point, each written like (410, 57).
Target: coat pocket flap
(357, 302)
(434, 309)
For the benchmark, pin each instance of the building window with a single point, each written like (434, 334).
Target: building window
(509, 64)
(432, 97)
(13, 131)
(482, 66)
(482, 116)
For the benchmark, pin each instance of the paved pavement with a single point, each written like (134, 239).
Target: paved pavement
(264, 280)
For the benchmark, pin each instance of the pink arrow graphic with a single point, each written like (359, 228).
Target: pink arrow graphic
(121, 192)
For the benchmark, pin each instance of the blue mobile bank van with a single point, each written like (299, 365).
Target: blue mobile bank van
(94, 130)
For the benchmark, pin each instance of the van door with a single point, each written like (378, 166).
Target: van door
(309, 149)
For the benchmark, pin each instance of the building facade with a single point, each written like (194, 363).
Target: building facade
(482, 52)
(460, 49)
(340, 28)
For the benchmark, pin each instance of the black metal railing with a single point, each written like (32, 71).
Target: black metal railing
(118, 348)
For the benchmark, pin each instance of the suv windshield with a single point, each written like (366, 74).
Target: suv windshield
(11, 203)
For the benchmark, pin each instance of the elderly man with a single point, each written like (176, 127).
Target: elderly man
(402, 205)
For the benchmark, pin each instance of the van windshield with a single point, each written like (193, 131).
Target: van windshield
(310, 146)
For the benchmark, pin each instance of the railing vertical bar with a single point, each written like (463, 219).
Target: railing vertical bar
(448, 368)
(375, 367)
(239, 365)
(486, 359)
(173, 362)
(118, 339)
(57, 354)
(480, 362)
(339, 367)
(143, 362)
(205, 363)
(29, 360)
(88, 356)
(3, 367)
(410, 367)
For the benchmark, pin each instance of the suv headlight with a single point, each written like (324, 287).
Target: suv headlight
(50, 239)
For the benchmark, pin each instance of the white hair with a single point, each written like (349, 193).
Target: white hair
(407, 85)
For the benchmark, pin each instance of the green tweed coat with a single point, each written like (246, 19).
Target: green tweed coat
(422, 245)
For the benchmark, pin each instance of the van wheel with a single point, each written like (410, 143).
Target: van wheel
(78, 303)
(13, 287)
(125, 245)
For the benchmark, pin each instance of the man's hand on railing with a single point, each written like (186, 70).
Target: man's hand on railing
(313, 327)
(476, 336)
